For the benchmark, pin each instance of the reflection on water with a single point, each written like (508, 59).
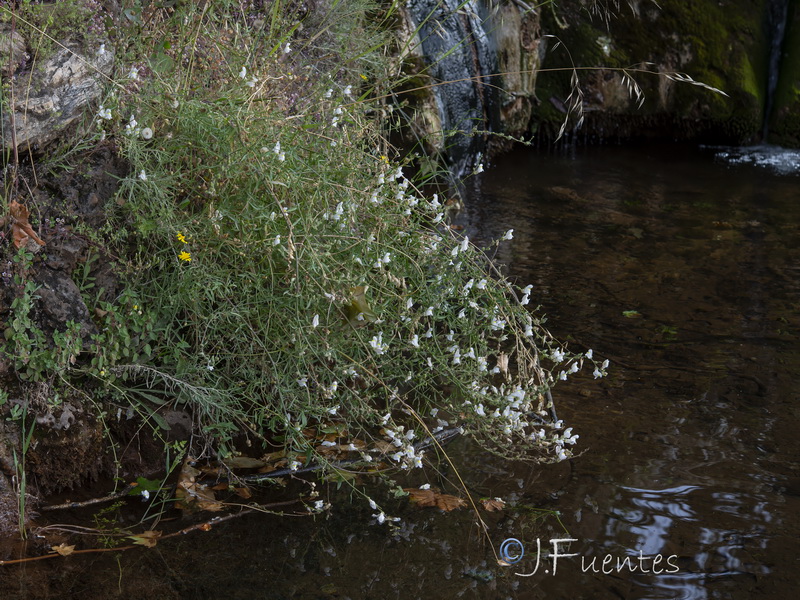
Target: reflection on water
(683, 270)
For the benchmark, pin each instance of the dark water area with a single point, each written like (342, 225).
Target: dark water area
(679, 267)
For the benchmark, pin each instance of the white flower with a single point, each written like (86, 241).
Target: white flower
(133, 73)
(277, 240)
(315, 321)
(243, 72)
(303, 382)
(277, 148)
(605, 364)
(210, 367)
(562, 376)
(319, 504)
(142, 175)
(508, 235)
(102, 50)
(481, 285)
(479, 169)
(415, 341)
(468, 286)
(438, 218)
(597, 373)
(147, 133)
(574, 368)
(528, 330)
(377, 343)
(252, 83)
(558, 355)
(498, 324)
(145, 495)
(372, 504)
(287, 48)
(328, 93)
(525, 299)
(409, 303)
(294, 465)
(104, 113)
(480, 411)
(281, 157)
(589, 354)
(348, 91)
(381, 518)
(131, 127)
(425, 486)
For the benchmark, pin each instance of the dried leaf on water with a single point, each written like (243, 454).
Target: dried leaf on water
(243, 462)
(64, 549)
(147, 538)
(493, 504)
(431, 497)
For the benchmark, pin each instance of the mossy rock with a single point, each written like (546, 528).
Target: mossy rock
(726, 47)
(784, 122)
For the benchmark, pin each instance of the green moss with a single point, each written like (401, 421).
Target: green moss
(726, 47)
(784, 122)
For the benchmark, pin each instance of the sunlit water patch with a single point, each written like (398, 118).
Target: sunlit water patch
(783, 161)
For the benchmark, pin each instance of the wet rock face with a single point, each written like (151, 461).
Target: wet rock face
(725, 45)
(60, 90)
(473, 66)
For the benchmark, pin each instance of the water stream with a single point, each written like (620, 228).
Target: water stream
(681, 267)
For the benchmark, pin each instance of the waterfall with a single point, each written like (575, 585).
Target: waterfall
(458, 52)
(776, 23)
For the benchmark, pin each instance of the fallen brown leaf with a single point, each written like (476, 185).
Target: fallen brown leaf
(64, 549)
(431, 497)
(493, 504)
(147, 538)
(21, 228)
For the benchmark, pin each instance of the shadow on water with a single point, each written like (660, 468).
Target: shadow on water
(679, 267)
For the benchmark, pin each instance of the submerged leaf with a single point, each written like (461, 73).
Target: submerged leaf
(147, 538)
(64, 549)
(431, 497)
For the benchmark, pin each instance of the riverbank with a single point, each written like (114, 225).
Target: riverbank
(223, 265)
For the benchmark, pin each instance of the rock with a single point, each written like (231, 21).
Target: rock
(60, 301)
(517, 41)
(724, 45)
(13, 50)
(60, 90)
(784, 125)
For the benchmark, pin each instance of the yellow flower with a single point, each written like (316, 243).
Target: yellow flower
(181, 238)
(385, 159)
(364, 77)
(185, 256)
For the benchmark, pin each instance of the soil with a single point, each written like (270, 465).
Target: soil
(79, 436)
